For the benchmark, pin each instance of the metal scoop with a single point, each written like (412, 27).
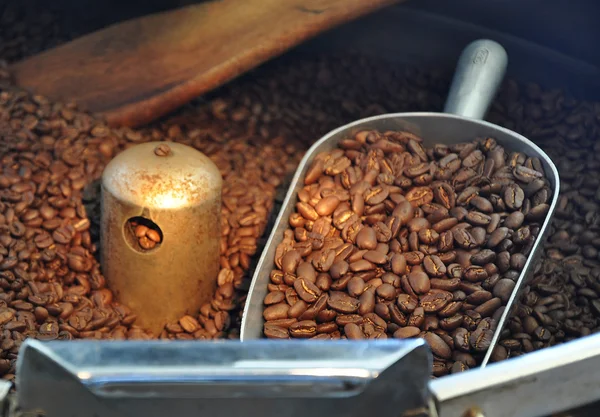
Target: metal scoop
(479, 73)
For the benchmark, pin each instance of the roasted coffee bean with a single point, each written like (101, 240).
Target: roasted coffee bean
(434, 266)
(475, 273)
(367, 239)
(407, 332)
(297, 309)
(419, 281)
(514, 196)
(342, 302)
(435, 300)
(275, 332)
(407, 303)
(356, 286)
(323, 316)
(437, 345)
(483, 257)
(480, 339)
(386, 291)
(353, 332)
(417, 317)
(303, 329)
(277, 311)
(489, 307)
(514, 220)
(445, 284)
(306, 290)
(367, 303)
(451, 323)
(463, 238)
(497, 236)
(290, 261)
(462, 339)
(344, 319)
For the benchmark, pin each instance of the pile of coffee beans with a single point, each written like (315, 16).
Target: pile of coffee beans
(392, 239)
(52, 155)
(255, 129)
(562, 299)
(147, 233)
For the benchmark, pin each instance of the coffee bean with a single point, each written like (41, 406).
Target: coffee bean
(338, 269)
(499, 354)
(290, 261)
(407, 303)
(353, 332)
(478, 219)
(514, 196)
(356, 286)
(497, 236)
(397, 316)
(445, 284)
(463, 238)
(434, 266)
(297, 309)
(419, 281)
(367, 303)
(503, 289)
(386, 291)
(306, 290)
(489, 307)
(407, 332)
(514, 220)
(417, 317)
(327, 205)
(435, 300)
(342, 302)
(452, 322)
(277, 311)
(306, 271)
(189, 324)
(303, 329)
(481, 339)
(517, 261)
(437, 345)
(344, 319)
(375, 257)
(367, 239)
(398, 264)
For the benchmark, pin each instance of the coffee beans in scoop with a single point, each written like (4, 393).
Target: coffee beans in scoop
(394, 239)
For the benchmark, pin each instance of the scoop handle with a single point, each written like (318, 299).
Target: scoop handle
(479, 73)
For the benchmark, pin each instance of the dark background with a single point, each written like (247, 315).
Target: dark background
(568, 26)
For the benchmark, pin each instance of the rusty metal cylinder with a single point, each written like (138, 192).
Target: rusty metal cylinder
(160, 231)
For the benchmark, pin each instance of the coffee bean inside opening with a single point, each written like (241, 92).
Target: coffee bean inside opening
(143, 234)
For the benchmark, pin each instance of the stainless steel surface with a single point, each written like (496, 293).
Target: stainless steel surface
(295, 378)
(5, 387)
(259, 378)
(479, 73)
(533, 385)
(432, 127)
(179, 190)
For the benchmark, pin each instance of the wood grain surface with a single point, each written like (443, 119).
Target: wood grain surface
(136, 71)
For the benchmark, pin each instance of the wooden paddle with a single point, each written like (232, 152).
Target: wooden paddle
(136, 71)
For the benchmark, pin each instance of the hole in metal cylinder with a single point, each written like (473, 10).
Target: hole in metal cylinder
(143, 234)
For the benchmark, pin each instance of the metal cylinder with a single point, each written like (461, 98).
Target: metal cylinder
(160, 230)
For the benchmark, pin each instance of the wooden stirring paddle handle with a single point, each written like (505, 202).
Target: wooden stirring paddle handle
(136, 71)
